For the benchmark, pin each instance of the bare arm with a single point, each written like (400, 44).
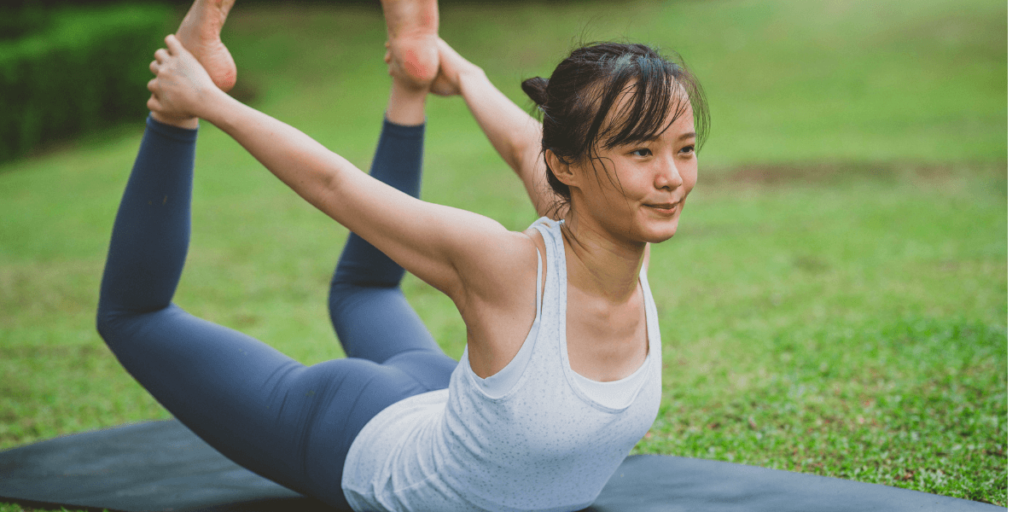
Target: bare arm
(513, 133)
(463, 254)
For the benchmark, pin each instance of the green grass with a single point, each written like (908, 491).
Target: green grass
(835, 301)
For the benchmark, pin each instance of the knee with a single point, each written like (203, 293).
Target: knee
(114, 325)
(110, 324)
(344, 285)
(347, 298)
(345, 278)
(346, 292)
(106, 322)
(367, 274)
(338, 297)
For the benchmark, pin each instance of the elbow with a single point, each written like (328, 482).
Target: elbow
(324, 189)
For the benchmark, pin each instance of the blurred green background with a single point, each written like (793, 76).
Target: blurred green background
(835, 301)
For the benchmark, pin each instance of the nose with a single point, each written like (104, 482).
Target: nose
(669, 176)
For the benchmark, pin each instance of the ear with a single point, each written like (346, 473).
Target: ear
(567, 174)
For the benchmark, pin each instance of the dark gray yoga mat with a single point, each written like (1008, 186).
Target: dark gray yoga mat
(163, 466)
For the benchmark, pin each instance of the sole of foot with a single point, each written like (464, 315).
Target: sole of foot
(199, 33)
(412, 40)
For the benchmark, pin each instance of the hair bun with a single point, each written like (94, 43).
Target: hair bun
(537, 89)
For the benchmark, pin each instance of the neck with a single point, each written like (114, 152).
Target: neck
(599, 265)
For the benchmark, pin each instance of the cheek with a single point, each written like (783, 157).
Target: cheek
(635, 184)
(620, 187)
(689, 175)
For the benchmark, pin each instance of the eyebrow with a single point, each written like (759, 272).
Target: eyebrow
(684, 136)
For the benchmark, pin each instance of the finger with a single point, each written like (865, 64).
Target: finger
(446, 51)
(152, 86)
(173, 45)
(154, 67)
(162, 55)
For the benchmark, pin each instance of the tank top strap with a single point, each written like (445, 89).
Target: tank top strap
(554, 295)
(501, 383)
(551, 232)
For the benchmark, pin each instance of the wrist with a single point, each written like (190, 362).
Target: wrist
(211, 103)
(470, 76)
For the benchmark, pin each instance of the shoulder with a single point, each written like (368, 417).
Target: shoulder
(495, 272)
(498, 302)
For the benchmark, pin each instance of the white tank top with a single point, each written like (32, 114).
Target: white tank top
(535, 436)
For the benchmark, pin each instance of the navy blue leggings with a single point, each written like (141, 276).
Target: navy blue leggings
(283, 420)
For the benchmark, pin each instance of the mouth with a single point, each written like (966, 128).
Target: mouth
(665, 208)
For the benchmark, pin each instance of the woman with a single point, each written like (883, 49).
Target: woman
(562, 371)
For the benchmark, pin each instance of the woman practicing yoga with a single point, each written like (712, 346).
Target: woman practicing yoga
(562, 370)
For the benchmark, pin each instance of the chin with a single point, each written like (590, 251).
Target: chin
(656, 227)
(657, 239)
(661, 232)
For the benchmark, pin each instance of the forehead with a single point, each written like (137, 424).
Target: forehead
(634, 117)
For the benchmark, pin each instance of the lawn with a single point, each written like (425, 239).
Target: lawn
(835, 301)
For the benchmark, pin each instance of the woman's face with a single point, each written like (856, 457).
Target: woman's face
(640, 195)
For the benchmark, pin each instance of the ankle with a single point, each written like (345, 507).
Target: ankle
(407, 104)
(189, 123)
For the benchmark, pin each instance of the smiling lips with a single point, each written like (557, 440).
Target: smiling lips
(665, 208)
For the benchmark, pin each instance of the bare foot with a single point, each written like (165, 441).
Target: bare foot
(412, 40)
(199, 33)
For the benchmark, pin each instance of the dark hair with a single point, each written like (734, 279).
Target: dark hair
(585, 86)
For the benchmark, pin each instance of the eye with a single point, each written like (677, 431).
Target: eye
(641, 152)
(687, 150)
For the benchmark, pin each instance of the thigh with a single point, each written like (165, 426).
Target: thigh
(281, 419)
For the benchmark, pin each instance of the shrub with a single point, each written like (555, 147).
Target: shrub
(81, 70)
(17, 22)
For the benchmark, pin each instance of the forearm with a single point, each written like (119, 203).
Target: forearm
(513, 133)
(295, 158)
(511, 130)
(419, 236)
